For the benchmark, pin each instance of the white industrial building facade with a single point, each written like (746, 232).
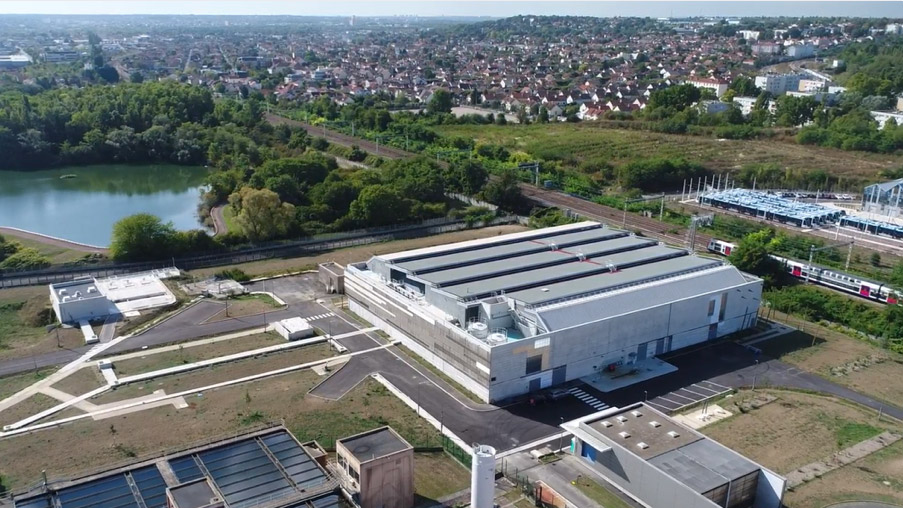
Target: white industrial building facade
(883, 198)
(516, 313)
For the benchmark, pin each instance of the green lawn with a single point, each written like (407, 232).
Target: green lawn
(598, 493)
(849, 433)
(229, 218)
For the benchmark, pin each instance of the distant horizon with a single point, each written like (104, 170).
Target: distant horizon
(456, 9)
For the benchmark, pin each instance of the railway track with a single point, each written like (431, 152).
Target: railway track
(648, 226)
(342, 139)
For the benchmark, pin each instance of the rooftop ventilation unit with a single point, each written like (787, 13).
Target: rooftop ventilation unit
(581, 256)
(624, 434)
(606, 423)
(636, 414)
(642, 446)
(553, 246)
(622, 419)
(673, 434)
(655, 424)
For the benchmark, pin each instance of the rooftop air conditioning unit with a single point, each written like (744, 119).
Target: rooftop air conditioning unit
(606, 423)
(655, 424)
(636, 414)
(622, 419)
(624, 434)
(673, 434)
(642, 446)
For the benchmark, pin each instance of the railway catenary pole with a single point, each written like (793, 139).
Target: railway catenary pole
(683, 190)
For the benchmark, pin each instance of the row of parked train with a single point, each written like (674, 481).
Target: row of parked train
(834, 279)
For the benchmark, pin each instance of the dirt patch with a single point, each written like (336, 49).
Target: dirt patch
(355, 254)
(795, 429)
(874, 478)
(151, 362)
(81, 381)
(218, 374)
(89, 444)
(28, 407)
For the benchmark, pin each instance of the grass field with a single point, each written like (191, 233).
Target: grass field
(796, 429)
(12, 384)
(20, 336)
(218, 373)
(88, 444)
(354, 254)
(229, 219)
(437, 475)
(30, 406)
(598, 493)
(855, 363)
(81, 381)
(577, 142)
(56, 254)
(151, 362)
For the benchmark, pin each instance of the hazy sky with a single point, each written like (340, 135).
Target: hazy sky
(457, 8)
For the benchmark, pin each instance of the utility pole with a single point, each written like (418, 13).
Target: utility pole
(661, 210)
(813, 249)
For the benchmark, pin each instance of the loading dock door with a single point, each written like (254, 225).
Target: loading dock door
(535, 384)
(559, 375)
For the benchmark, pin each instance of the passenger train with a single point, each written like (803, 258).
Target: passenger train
(840, 281)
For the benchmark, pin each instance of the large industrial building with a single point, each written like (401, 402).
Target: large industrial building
(883, 198)
(507, 315)
(661, 463)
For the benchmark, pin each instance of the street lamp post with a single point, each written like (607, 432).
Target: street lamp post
(560, 435)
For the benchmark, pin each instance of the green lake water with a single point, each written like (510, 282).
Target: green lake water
(84, 208)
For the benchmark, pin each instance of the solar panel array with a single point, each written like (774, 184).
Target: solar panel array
(110, 492)
(245, 472)
(772, 207)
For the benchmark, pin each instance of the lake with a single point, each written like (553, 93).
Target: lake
(83, 209)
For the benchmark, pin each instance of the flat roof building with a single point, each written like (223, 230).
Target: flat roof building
(265, 466)
(662, 463)
(90, 299)
(380, 465)
(516, 313)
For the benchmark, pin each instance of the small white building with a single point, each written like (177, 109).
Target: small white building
(294, 328)
(883, 116)
(746, 104)
(79, 300)
(778, 84)
(801, 50)
(719, 86)
(89, 299)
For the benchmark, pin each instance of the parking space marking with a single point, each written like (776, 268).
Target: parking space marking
(694, 393)
(704, 388)
(651, 403)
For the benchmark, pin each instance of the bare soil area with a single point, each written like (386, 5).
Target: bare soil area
(794, 430)
(878, 477)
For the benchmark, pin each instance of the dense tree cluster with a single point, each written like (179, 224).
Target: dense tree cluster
(160, 122)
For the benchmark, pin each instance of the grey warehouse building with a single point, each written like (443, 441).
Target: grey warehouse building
(507, 315)
(662, 464)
